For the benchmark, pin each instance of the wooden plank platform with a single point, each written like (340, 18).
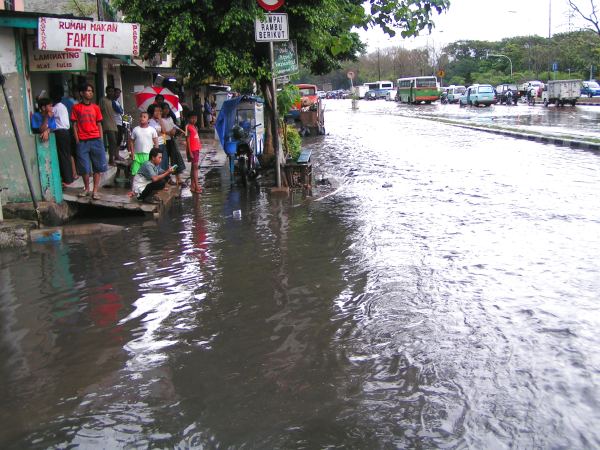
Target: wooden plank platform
(114, 197)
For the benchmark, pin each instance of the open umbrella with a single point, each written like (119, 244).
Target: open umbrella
(145, 97)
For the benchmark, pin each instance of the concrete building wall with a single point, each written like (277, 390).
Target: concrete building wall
(133, 76)
(12, 174)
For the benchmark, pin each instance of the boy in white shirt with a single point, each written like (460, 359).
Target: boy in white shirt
(143, 139)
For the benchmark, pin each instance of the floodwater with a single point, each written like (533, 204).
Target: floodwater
(581, 120)
(441, 293)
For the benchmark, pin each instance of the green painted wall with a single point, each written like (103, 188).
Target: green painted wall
(12, 175)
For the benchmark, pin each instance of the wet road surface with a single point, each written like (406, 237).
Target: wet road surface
(580, 120)
(444, 295)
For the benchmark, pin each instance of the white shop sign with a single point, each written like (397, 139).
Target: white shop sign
(274, 28)
(67, 35)
(41, 61)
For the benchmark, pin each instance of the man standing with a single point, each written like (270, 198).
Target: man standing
(108, 124)
(118, 116)
(207, 112)
(150, 178)
(91, 158)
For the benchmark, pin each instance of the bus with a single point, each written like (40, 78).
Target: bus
(418, 89)
(377, 85)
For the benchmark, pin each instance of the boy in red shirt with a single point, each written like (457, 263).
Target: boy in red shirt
(192, 149)
(87, 128)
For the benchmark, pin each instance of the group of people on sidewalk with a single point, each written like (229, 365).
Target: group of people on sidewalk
(80, 129)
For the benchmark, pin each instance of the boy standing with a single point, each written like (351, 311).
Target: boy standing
(43, 121)
(143, 139)
(87, 129)
(192, 149)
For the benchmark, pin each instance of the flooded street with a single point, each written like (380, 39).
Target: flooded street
(442, 292)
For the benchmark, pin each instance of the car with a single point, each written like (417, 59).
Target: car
(590, 89)
(321, 94)
(454, 93)
(371, 95)
(478, 94)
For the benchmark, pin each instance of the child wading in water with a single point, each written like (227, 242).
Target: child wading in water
(192, 149)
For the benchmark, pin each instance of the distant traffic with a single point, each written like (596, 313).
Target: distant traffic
(426, 89)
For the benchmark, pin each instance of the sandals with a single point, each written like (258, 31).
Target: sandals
(96, 196)
(83, 193)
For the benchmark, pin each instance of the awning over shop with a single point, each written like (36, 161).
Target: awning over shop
(29, 20)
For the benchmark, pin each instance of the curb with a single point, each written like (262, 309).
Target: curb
(573, 143)
(566, 142)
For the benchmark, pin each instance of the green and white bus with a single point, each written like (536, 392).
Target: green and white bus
(418, 89)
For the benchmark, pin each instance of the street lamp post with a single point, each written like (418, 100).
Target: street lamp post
(503, 56)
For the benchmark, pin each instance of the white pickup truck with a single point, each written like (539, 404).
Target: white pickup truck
(561, 92)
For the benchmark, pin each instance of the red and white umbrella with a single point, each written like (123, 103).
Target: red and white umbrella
(145, 97)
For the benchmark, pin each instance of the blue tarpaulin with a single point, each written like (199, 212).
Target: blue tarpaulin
(227, 116)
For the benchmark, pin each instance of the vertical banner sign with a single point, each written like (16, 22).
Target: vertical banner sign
(286, 58)
(270, 5)
(69, 35)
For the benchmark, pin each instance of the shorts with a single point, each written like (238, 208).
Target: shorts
(138, 160)
(195, 156)
(91, 157)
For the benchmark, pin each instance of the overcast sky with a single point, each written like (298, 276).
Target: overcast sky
(485, 20)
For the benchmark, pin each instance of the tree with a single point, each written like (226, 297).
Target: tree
(215, 38)
(589, 14)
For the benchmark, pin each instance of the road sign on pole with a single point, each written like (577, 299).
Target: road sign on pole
(286, 58)
(270, 5)
(274, 28)
(350, 75)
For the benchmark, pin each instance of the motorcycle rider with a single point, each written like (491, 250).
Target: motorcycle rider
(509, 97)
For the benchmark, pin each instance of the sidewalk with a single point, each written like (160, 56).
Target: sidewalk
(116, 196)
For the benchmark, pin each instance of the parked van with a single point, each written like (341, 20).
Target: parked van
(455, 92)
(478, 94)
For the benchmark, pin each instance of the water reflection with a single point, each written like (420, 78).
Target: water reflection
(437, 292)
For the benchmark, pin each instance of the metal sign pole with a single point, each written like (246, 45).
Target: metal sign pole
(275, 123)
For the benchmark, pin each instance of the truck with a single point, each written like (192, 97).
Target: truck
(309, 111)
(561, 92)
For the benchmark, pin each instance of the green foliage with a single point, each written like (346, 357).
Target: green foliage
(215, 39)
(292, 142)
(465, 62)
(286, 98)
(411, 16)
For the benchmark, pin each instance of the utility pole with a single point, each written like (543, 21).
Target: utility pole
(378, 66)
(275, 120)
(99, 58)
(549, 35)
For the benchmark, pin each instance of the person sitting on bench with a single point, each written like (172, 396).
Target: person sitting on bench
(151, 178)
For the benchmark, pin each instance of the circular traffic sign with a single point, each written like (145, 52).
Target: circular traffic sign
(270, 5)
(350, 75)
